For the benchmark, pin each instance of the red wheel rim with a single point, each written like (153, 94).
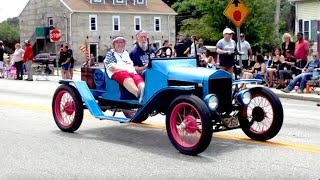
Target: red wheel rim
(64, 108)
(186, 125)
(265, 123)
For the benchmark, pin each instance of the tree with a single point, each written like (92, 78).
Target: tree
(205, 18)
(9, 32)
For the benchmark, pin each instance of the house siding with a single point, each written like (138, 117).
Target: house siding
(80, 30)
(36, 14)
(307, 10)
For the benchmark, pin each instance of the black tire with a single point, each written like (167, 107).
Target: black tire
(73, 108)
(201, 110)
(256, 114)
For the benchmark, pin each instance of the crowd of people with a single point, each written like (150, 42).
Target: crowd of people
(21, 61)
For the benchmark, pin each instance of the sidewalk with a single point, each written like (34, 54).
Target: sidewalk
(313, 96)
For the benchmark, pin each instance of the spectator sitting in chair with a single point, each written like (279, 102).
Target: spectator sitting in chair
(257, 71)
(306, 74)
(288, 68)
(273, 66)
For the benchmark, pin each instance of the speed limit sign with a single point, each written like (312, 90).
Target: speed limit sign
(55, 35)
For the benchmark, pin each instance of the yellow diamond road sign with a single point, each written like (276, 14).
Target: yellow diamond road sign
(237, 12)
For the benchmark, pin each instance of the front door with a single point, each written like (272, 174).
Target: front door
(93, 49)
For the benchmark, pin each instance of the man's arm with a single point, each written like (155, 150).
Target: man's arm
(141, 69)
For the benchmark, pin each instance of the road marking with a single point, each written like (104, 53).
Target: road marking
(220, 135)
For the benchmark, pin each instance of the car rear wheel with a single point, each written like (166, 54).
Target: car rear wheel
(189, 125)
(67, 108)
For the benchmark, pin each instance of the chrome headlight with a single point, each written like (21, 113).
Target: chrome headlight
(212, 101)
(244, 97)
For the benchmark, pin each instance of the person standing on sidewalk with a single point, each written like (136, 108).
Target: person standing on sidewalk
(226, 48)
(27, 59)
(247, 52)
(1, 59)
(65, 58)
(301, 51)
(17, 57)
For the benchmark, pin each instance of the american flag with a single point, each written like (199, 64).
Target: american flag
(84, 49)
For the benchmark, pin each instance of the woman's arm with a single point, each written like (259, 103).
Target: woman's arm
(263, 69)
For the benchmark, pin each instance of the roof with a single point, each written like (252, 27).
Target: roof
(152, 7)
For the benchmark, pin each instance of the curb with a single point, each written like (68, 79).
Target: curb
(291, 96)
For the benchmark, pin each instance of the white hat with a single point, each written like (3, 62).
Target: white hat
(27, 41)
(116, 38)
(227, 31)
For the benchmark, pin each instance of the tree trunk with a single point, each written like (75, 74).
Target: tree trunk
(277, 17)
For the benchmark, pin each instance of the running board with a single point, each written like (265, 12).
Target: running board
(113, 118)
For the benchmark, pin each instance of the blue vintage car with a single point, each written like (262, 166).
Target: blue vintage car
(196, 102)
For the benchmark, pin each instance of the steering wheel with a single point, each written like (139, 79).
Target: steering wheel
(163, 48)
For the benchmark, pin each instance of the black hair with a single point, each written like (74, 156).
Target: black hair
(260, 58)
(300, 33)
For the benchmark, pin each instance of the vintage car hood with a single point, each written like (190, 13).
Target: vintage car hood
(187, 70)
(189, 74)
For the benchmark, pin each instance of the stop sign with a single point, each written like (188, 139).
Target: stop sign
(55, 35)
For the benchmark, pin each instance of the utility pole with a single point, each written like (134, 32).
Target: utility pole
(277, 17)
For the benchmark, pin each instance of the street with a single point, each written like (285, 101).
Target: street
(32, 146)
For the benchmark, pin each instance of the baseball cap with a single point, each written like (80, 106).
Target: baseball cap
(26, 41)
(227, 31)
(1, 42)
(242, 34)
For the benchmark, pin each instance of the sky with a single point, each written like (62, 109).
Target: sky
(11, 8)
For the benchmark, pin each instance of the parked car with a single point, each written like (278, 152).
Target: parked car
(49, 58)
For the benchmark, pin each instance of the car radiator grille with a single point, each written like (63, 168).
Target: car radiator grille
(223, 89)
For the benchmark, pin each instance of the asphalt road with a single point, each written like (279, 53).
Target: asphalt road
(32, 146)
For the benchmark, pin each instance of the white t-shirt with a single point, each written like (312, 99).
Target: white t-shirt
(120, 60)
(17, 56)
(245, 46)
(192, 50)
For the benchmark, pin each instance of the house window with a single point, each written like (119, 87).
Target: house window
(306, 29)
(157, 24)
(98, 1)
(137, 23)
(50, 22)
(314, 28)
(93, 23)
(140, 1)
(116, 23)
(119, 1)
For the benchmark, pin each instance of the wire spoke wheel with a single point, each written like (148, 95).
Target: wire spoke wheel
(189, 124)
(67, 108)
(262, 119)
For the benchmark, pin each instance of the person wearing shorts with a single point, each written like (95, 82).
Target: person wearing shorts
(65, 58)
(257, 71)
(120, 67)
(225, 48)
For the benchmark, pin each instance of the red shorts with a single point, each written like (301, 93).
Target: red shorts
(122, 75)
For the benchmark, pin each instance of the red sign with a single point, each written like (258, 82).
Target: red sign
(55, 35)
